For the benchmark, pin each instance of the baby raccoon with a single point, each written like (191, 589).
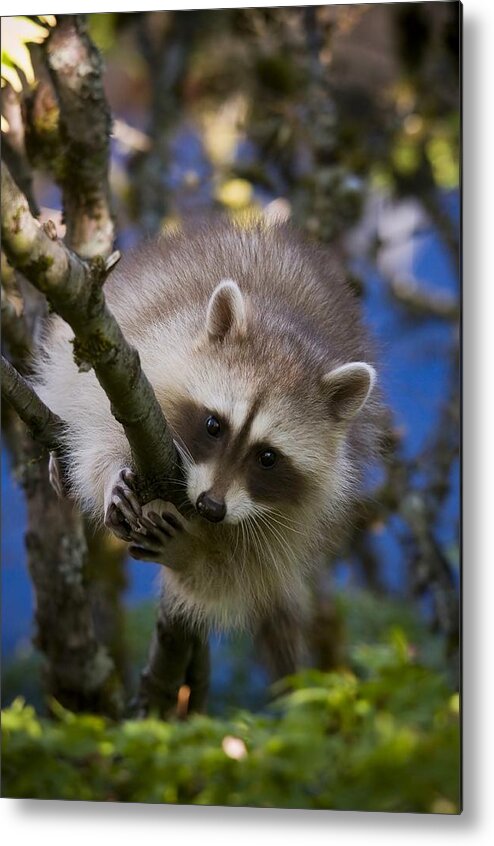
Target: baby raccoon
(257, 354)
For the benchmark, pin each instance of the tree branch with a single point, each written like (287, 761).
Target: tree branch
(79, 671)
(74, 289)
(423, 302)
(14, 146)
(15, 332)
(85, 125)
(45, 426)
(166, 42)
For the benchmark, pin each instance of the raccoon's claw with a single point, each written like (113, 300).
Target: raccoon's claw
(165, 517)
(150, 543)
(148, 552)
(123, 512)
(160, 524)
(165, 524)
(55, 475)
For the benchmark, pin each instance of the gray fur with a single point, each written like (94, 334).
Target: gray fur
(295, 322)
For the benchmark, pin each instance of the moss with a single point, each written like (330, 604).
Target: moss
(38, 267)
(87, 352)
(98, 272)
(82, 176)
(17, 218)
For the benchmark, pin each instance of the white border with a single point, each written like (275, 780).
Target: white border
(56, 7)
(64, 822)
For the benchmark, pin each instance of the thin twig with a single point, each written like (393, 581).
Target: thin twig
(75, 66)
(14, 145)
(45, 426)
(422, 302)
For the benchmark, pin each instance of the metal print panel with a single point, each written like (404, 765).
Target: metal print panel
(230, 372)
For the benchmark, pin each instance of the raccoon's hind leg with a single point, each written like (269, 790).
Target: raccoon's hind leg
(122, 508)
(281, 641)
(178, 656)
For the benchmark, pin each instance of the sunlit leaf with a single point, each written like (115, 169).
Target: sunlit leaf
(443, 161)
(17, 32)
(235, 193)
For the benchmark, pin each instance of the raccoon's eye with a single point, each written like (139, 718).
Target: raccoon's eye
(267, 458)
(213, 426)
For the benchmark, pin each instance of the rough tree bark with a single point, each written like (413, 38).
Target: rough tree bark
(67, 92)
(74, 290)
(78, 671)
(166, 42)
(44, 426)
(73, 287)
(85, 124)
(82, 133)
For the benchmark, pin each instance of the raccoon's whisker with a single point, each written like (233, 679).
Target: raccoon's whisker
(266, 515)
(263, 587)
(279, 537)
(250, 532)
(174, 479)
(269, 526)
(241, 559)
(271, 509)
(237, 536)
(261, 535)
(175, 486)
(184, 451)
(186, 462)
(175, 489)
(284, 520)
(290, 527)
(184, 455)
(267, 546)
(244, 542)
(260, 549)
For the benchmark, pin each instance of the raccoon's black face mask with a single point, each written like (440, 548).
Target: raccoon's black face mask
(251, 446)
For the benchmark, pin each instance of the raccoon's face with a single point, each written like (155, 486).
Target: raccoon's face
(235, 466)
(258, 437)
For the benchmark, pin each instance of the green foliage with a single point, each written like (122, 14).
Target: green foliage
(365, 619)
(21, 676)
(17, 32)
(386, 740)
(102, 29)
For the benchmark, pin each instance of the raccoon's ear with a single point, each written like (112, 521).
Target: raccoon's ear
(347, 388)
(227, 311)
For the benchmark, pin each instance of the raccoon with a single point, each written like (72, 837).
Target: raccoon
(257, 354)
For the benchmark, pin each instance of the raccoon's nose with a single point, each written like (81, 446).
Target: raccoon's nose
(210, 508)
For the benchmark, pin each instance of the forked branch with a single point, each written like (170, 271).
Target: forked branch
(74, 289)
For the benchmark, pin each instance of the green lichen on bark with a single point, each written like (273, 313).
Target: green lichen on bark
(38, 267)
(74, 288)
(17, 218)
(88, 352)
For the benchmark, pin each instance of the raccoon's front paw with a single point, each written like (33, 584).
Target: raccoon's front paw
(161, 529)
(123, 510)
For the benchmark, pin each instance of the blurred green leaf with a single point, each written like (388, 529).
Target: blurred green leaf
(17, 32)
(388, 740)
